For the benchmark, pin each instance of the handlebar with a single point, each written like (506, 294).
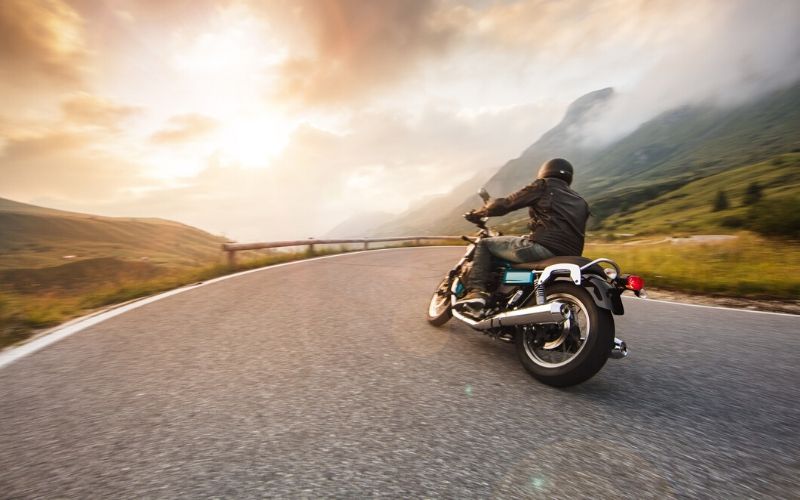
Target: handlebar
(483, 231)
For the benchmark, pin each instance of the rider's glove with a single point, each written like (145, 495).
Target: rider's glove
(474, 216)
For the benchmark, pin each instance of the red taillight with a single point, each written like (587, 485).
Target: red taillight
(635, 283)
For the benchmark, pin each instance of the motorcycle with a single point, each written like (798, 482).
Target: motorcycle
(558, 312)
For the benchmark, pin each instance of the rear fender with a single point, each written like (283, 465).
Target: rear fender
(604, 294)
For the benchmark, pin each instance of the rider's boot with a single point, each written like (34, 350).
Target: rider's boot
(475, 300)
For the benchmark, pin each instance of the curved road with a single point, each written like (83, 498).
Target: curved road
(322, 378)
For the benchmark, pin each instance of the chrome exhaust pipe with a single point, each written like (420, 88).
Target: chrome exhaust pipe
(620, 349)
(553, 312)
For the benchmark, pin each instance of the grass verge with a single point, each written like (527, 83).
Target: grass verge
(745, 267)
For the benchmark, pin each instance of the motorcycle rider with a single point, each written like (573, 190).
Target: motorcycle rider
(558, 226)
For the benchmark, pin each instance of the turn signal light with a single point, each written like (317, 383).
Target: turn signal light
(634, 283)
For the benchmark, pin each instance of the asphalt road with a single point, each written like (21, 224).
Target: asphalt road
(322, 379)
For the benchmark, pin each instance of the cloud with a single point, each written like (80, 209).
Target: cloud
(743, 51)
(385, 161)
(87, 109)
(70, 157)
(184, 128)
(20, 149)
(354, 46)
(658, 54)
(87, 122)
(41, 41)
(163, 12)
(320, 179)
(62, 165)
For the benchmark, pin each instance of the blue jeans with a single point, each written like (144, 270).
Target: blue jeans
(516, 249)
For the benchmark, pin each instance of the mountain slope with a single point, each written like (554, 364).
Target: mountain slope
(33, 237)
(689, 144)
(435, 216)
(695, 142)
(690, 208)
(663, 154)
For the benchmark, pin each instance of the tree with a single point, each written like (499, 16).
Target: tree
(721, 201)
(752, 194)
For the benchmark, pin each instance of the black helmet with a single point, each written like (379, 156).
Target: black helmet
(557, 167)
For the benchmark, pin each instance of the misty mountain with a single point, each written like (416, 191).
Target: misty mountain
(443, 216)
(427, 217)
(359, 225)
(689, 144)
(663, 154)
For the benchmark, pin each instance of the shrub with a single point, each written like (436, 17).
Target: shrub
(776, 217)
(732, 221)
(752, 194)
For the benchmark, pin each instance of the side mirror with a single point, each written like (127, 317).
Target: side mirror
(484, 194)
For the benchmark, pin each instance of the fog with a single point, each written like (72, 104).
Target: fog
(317, 111)
(724, 54)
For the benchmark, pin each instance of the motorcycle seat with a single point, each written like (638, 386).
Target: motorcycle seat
(560, 259)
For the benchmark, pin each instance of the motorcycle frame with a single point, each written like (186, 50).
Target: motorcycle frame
(604, 294)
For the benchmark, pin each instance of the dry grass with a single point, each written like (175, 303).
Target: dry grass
(748, 266)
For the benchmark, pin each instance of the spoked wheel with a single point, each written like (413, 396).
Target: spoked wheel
(572, 352)
(439, 309)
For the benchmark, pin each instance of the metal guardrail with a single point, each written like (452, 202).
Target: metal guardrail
(232, 248)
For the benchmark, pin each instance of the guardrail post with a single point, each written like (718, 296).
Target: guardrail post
(231, 258)
(366, 245)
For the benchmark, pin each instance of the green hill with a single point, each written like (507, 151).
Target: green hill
(691, 208)
(694, 142)
(685, 145)
(37, 237)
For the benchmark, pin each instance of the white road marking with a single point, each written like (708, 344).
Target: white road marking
(627, 297)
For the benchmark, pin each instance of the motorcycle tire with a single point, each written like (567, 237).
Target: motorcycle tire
(596, 324)
(440, 309)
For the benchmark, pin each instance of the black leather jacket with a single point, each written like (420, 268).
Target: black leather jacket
(558, 214)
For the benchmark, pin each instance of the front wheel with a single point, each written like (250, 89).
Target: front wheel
(572, 352)
(439, 311)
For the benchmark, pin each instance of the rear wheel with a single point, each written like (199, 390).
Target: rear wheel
(439, 311)
(572, 352)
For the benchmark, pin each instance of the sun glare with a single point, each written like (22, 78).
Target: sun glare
(252, 142)
(226, 68)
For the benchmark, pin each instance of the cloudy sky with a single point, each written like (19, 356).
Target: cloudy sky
(271, 119)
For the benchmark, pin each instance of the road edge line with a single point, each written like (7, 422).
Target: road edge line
(12, 354)
(755, 311)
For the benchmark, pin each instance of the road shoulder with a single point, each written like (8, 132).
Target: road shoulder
(776, 306)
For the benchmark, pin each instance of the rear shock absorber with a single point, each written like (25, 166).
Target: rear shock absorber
(538, 290)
